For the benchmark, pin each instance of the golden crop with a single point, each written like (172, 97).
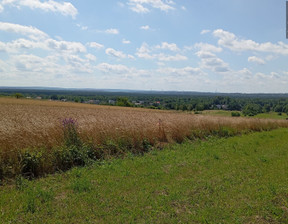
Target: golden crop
(31, 123)
(33, 142)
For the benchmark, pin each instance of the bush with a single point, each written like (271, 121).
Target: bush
(235, 114)
(30, 163)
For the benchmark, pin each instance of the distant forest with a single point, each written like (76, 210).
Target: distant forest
(248, 104)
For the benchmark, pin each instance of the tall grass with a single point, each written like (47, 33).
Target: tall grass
(33, 140)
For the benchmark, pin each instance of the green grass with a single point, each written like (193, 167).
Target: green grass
(272, 115)
(242, 179)
(225, 113)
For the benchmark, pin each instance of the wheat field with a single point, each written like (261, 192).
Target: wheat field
(31, 123)
(35, 124)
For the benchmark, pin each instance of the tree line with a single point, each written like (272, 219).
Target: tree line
(248, 104)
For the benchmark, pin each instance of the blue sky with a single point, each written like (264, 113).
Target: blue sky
(183, 45)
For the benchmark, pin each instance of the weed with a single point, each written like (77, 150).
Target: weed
(30, 163)
(81, 184)
(71, 136)
(21, 183)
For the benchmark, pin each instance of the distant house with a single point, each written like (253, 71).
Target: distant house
(38, 98)
(223, 106)
(111, 102)
(219, 107)
(64, 100)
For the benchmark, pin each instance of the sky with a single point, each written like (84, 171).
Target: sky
(167, 45)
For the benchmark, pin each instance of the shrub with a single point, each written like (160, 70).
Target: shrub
(30, 163)
(235, 114)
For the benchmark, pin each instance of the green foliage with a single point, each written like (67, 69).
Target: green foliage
(251, 110)
(31, 162)
(199, 107)
(123, 102)
(70, 131)
(21, 183)
(18, 95)
(235, 114)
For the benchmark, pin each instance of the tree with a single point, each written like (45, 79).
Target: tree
(123, 102)
(18, 95)
(54, 97)
(251, 110)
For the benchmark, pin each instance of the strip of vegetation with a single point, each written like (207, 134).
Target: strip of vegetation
(248, 104)
(34, 161)
(241, 179)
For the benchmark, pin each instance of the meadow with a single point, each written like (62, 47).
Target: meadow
(35, 140)
(242, 179)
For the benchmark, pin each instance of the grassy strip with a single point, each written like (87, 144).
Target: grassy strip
(236, 180)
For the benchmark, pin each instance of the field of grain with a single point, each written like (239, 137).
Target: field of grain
(38, 124)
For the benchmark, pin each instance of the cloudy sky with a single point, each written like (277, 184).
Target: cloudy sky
(184, 45)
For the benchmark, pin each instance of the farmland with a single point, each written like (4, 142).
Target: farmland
(32, 136)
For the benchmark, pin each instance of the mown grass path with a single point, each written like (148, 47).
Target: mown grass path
(242, 179)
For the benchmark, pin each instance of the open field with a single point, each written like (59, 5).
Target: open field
(32, 135)
(241, 179)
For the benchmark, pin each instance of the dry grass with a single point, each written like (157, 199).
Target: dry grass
(34, 124)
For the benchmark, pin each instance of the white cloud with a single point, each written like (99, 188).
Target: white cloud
(167, 46)
(66, 46)
(131, 56)
(145, 27)
(205, 54)
(139, 8)
(256, 60)
(146, 52)
(82, 27)
(183, 8)
(91, 57)
(1, 8)
(207, 47)
(215, 64)
(186, 71)
(126, 41)
(138, 5)
(211, 62)
(95, 45)
(114, 53)
(113, 69)
(23, 45)
(65, 8)
(28, 31)
(177, 57)
(205, 31)
(232, 42)
(112, 31)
